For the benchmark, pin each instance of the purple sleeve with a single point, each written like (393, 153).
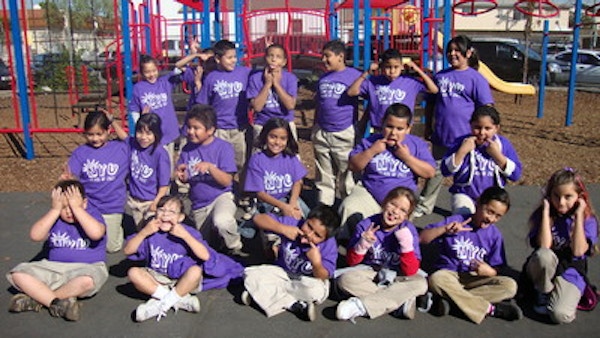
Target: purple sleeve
(509, 151)
(299, 169)
(255, 84)
(135, 105)
(227, 158)
(142, 252)
(291, 84)
(254, 180)
(188, 76)
(329, 255)
(423, 153)
(449, 154)
(497, 256)
(590, 227)
(365, 88)
(482, 92)
(203, 95)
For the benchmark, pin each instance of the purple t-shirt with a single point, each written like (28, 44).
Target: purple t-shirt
(336, 110)
(292, 254)
(159, 97)
(204, 188)
(461, 91)
(274, 175)
(189, 77)
(273, 107)
(561, 240)
(102, 171)
(166, 254)
(226, 93)
(385, 252)
(385, 171)
(456, 251)
(69, 243)
(382, 93)
(148, 171)
(478, 171)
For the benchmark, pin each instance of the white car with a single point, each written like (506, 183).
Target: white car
(559, 65)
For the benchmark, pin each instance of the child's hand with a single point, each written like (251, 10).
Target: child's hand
(379, 146)
(268, 76)
(369, 234)
(401, 151)
(411, 65)
(291, 211)
(146, 110)
(106, 113)
(291, 232)
(546, 207)
(150, 228)
(456, 227)
(581, 205)
(268, 41)
(493, 148)
(277, 74)
(314, 255)
(74, 198)
(181, 172)
(482, 268)
(66, 173)
(203, 167)
(178, 230)
(57, 199)
(373, 67)
(468, 144)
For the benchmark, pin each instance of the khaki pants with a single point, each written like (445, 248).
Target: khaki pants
(381, 300)
(357, 206)
(114, 232)
(239, 140)
(432, 187)
(221, 215)
(274, 291)
(472, 294)
(331, 159)
(139, 209)
(541, 268)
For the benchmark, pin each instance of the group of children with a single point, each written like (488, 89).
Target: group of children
(383, 245)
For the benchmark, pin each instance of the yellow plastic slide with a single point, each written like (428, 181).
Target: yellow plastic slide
(496, 82)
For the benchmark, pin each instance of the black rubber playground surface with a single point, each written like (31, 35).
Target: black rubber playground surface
(109, 314)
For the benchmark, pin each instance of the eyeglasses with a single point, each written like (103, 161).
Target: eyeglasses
(166, 211)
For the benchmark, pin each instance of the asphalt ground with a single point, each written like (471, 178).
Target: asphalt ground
(109, 313)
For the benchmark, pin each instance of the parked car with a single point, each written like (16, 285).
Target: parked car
(5, 76)
(505, 57)
(559, 65)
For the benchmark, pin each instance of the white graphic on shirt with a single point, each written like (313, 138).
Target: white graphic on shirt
(160, 260)
(275, 183)
(485, 167)
(384, 258)
(192, 166)
(294, 261)
(449, 88)
(63, 240)
(154, 100)
(272, 100)
(558, 241)
(228, 90)
(140, 171)
(466, 251)
(387, 96)
(100, 172)
(333, 90)
(388, 165)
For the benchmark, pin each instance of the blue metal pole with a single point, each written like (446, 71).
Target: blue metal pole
(239, 34)
(205, 43)
(333, 21)
(367, 11)
(355, 35)
(387, 32)
(21, 80)
(541, 97)
(573, 74)
(447, 28)
(426, 37)
(217, 26)
(127, 60)
(146, 28)
(186, 31)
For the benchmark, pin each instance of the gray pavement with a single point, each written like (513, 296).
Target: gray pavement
(108, 314)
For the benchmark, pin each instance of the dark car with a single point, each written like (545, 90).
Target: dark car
(5, 76)
(505, 58)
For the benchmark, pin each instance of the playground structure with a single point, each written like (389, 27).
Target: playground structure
(416, 28)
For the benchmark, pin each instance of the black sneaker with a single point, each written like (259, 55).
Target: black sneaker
(424, 302)
(238, 253)
(507, 311)
(66, 308)
(304, 310)
(22, 302)
(440, 307)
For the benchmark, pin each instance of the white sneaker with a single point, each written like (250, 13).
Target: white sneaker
(188, 303)
(350, 309)
(409, 309)
(246, 298)
(149, 309)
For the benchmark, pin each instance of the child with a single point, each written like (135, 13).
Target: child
(272, 92)
(155, 92)
(177, 258)
(149, 167)
(471, 252)
(480, 160)
(391, 86)
(207, 163)
(102, 167)
(387, 160)
(306, 260)
(386, 246)
(225, 90)
(193, 74)
(275, 173)
(461, 90)
(564, 231)
(333, 135)
(75, 237)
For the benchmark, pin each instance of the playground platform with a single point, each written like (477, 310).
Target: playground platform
(109, 314)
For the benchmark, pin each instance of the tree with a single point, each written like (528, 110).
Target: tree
(54, 17)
